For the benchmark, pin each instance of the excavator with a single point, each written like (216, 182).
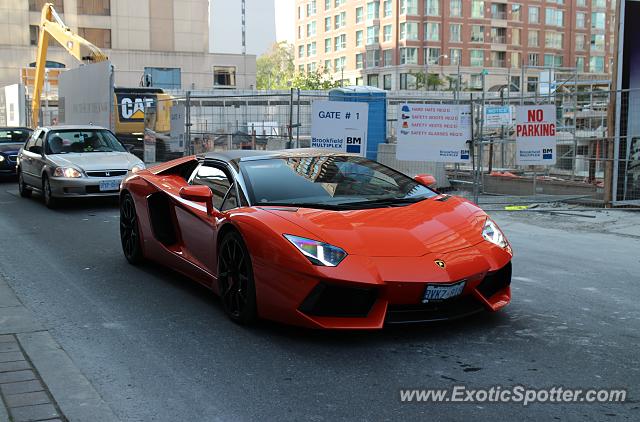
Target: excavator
(129, 103)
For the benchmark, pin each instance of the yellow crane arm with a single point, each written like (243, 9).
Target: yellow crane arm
(51, 25)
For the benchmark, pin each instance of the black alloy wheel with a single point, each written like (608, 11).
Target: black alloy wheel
(235, 278)
(129, 230)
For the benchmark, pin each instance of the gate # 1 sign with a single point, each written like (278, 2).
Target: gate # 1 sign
(536, 134)
(340, 126)
(434, 132)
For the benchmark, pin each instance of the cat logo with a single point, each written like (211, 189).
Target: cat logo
(440, 263)
(131, 108)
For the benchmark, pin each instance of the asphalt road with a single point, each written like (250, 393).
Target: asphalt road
(158, 348)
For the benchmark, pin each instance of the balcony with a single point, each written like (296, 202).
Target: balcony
(499, 39)
(498, 63)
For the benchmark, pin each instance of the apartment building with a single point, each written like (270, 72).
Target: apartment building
(162, 42)
(384, 43)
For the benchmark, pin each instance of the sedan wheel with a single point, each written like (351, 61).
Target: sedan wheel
(25, 192)
(129, 230)
(235, 278)
(49, 200)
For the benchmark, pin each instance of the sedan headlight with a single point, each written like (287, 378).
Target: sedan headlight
(68, 172)
(1, 158)
(317, 252)
(492, 233)
(137, 168)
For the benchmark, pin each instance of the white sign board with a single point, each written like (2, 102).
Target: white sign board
(536, 134)
(496, 116)
(340, 126)
(547, 82)
(177, 134)
(434, 132)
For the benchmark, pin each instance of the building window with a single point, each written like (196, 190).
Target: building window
(327, 4)
(339, 63)
(498, 59)
(359, 38)
(432, 7)
(373, 10)
(432, 31)
(598, 4)
(372, 80)
(477, 9)
(477, 33)
(580, 42)
(163, 77)
(388, 57)
(477, 58)
(311, 49)
(455, 30)
(553, 17)
(359, 81)
(597, 42)
(409, 31)
(551, 60)
(327, 65)
(340, 42)
(327, 45)
(515, 59)
(533, 39)
(37, 5)
(534, 14)
(408, 55)
(582, 3)
(359, 61)
(373, 58)
(455, 55)
(101, 38)
(386, 82)
(499, 35)
(224, 76)
(532, 84)
(311, 8)
(455, 8)
(386, 33)
(340, 20)
(432, 55)
(359, 14)
(408, 7)
(580, 20)
(373, 35)
(387, 8)
(516, 12)
(598, 20)
(475, 81)
(554, 40)
(300, 51)
(515, 36)
(311, 29)
(94, 7)
(534, 59)
(580, 64)
(499, 11)
(408, 81)
(327, 24)
(339, 3)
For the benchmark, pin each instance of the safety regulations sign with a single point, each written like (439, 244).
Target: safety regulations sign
(434, 132)
(497, 116)
(340, 126)
(536, 134)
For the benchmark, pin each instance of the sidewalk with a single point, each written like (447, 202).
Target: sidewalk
(38, 380)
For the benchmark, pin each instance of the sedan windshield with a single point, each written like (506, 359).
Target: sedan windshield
(78, 141)
(333, 182)
(14, 136)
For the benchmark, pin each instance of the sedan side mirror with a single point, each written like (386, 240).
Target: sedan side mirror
(426, 180)
(198, 193)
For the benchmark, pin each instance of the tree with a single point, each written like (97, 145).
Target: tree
(315, 81)
(431, 80)
(275, 69)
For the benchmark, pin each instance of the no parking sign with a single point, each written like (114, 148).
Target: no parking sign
(536, 134)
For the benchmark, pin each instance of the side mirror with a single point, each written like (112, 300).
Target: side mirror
(198, 193)
(426, 180)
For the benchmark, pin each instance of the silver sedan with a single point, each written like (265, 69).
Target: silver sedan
(73, 161)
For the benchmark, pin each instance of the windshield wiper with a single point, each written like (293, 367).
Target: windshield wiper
(383, 202)
(334, 207)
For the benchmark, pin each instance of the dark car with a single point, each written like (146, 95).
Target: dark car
(11, 140)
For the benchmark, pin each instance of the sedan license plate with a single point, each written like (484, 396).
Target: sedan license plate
(438, 292)
(110, 185)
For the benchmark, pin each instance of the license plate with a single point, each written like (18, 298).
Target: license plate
(110, 185)
(438, 292)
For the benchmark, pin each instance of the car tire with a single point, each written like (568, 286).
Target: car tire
(235, 280)
(49, 200)
(130, 231)
(24, 191)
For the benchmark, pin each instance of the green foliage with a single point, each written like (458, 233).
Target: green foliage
(275, 69)
(431, 80)
(315, 81)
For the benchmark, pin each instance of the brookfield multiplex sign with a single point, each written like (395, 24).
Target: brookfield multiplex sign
(536, 134)
(340, 126)
(434, 132)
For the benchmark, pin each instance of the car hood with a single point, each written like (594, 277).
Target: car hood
(8, 148)
(91, 161)
(430, 226)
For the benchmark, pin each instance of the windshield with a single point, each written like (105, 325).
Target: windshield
(14, 136)
(330, 182)
(80, 141)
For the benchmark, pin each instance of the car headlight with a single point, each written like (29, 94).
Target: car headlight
(318, 253)
(492, 233)
(137, 168)
(68, 172)
(1, 158)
